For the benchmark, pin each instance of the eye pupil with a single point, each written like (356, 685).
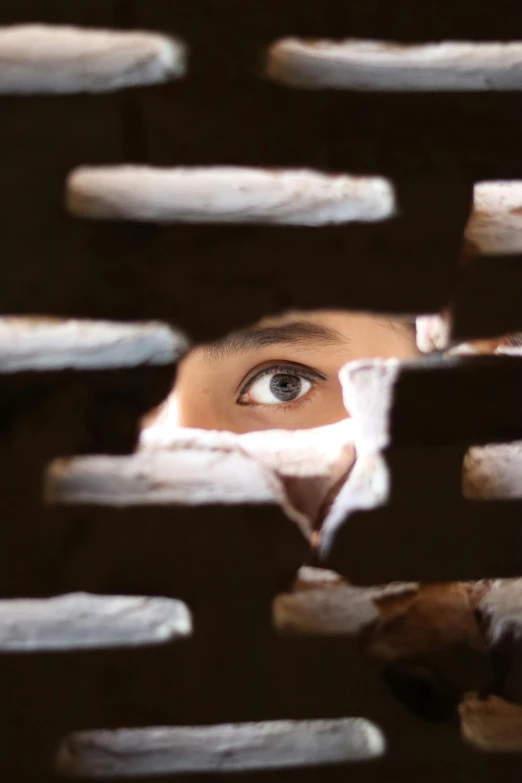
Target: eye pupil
(285, 387)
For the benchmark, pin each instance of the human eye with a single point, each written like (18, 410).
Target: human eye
(278, 385)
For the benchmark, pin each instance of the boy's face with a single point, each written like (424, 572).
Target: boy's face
(282, 373)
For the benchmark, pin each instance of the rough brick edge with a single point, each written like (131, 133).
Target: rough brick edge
(367, 488)
(311, 464)
(226, 748)
(368, 391)
(390, 66)
(376, 391)
(63, 59)
(224, 194)
(389, 401)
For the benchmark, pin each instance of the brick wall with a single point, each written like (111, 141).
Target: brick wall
(158, 615)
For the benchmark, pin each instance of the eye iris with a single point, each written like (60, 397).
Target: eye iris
(285, 387)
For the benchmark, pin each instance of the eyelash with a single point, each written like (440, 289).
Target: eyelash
(302, 372)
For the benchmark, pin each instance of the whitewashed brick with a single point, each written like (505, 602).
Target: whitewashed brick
(495, 225)
(383, 65)
(61, 59)
(224, 194)
(239, 747)
(59, 344)
(81, 621)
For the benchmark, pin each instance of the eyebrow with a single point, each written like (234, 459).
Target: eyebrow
(296, 333)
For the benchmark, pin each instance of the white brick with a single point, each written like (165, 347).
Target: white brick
(80, 621)
(384, 65)
(189, 476)
(59, 344)
(47, 59)
(227, 195)
(495, 225)
(237, 747)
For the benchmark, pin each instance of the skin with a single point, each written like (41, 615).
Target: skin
(236, 384)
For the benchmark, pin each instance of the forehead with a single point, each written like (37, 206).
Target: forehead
(317, 317)
(289, 330)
